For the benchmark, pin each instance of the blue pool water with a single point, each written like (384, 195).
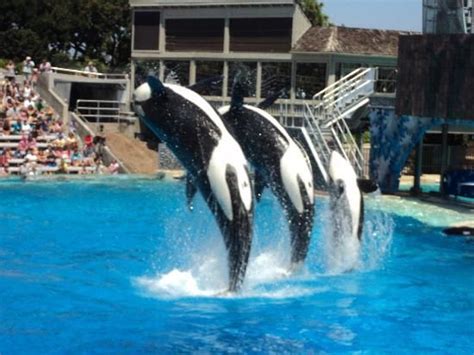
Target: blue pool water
(121, 266)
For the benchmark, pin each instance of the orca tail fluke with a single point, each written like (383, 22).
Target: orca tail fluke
(237, 232)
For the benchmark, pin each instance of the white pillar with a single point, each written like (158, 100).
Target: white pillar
(226, 35)
(258, 92)
(331, 71)
(225, 82)
(192, 72)
(162, 34)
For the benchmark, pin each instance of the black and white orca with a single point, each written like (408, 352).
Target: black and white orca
(215, 163)
(279, 163)
(346, 206)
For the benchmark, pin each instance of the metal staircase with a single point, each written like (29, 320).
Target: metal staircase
(324, 122)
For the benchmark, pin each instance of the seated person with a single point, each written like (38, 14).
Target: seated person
(4, 170)
(51, 158)
(114, 167)
(23, 144)
(16, 127)
(71, 141)
(42, 156)
(31, 142)
(60, 141)
(76, 157)
(6, 127)
(30, 156)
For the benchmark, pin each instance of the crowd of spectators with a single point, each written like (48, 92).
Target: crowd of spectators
(33, 138)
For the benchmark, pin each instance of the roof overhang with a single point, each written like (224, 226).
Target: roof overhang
(208, 3)
(339, 54)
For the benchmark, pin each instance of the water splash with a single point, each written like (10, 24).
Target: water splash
(267, 276)
(197, 266)
(340, 252)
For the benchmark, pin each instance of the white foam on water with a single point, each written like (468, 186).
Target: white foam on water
(267, 277)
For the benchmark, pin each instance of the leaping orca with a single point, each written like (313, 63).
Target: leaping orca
(279, 163)
(215, 163)
(346, 205)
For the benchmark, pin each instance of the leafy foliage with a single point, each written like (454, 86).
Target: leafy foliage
(313, 9)
(66, 30)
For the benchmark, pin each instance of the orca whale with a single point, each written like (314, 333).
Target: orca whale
(214, 161)
(346, 205)
(279, 163)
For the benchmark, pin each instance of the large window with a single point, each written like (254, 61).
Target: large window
(346, 68)
(387, 80)
(146, 34)
(195, 35)
(310, 79)
(275, 77)
(177, 72)
(260, 34)
(206, 70)
(250, 71)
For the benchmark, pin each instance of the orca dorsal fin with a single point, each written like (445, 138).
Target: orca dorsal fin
(191, 190)
(157, 87)
(209, 82)
(270, 100)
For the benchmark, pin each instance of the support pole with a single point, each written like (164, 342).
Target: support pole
(416, 189)
(444, 153)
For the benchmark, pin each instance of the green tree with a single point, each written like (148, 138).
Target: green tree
(80, 30)
(313, 9)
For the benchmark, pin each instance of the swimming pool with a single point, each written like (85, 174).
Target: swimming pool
(121, 266)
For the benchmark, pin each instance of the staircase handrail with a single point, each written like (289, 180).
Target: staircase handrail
(338, 83)
(328, 96)
(312, 124)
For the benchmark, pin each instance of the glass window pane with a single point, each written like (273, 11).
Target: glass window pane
(234, 68)
(146, 30)
(310, 79)
(275, 77)
(260, 34)
(206, 70)
(195, 35)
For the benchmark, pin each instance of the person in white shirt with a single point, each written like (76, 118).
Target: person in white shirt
(90, 68)
(45, 66)
(28, 66)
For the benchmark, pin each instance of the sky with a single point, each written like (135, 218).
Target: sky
(382, 14)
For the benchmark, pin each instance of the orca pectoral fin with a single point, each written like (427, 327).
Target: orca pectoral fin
(270, 100)
(206, 83)
(191, 190)
(367, 185)
(361, 218)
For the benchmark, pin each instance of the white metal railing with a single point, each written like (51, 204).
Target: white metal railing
(344, 94)
(103, 111)
(325, 123)
(88, 74)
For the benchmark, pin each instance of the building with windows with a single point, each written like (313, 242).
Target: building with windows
(443, 16)
(190, 40)
(468, 15)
